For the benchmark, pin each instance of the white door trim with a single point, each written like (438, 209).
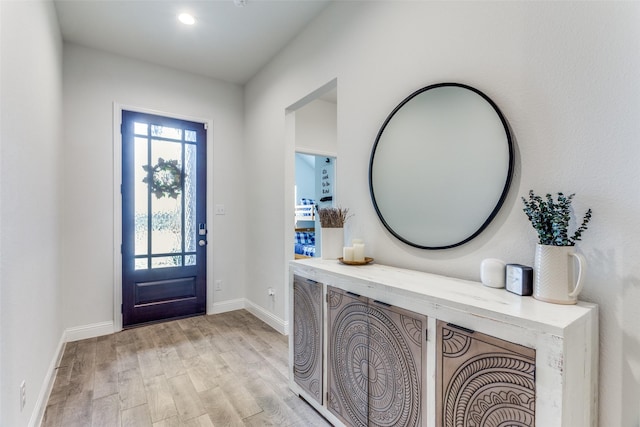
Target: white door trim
(117, 202)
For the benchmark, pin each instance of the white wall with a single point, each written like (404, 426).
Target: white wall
(93, 81)
(565, 74)
(316, 127)
(30, 135)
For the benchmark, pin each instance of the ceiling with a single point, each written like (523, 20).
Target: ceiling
(227, 42)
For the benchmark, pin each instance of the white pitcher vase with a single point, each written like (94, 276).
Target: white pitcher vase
(331, 242)
(555, 274)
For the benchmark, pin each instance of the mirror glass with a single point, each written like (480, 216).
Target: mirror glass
(441, 166)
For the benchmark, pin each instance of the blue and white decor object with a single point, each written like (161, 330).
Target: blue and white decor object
(305, 243)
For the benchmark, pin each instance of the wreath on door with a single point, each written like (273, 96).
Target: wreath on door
(164, 178)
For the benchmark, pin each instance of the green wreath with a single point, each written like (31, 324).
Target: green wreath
(164, 179)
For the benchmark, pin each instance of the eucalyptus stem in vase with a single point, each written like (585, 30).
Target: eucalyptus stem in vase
(554, 272)
(550, 218)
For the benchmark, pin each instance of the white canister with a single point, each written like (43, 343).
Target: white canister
(332, 242)
(492, 272)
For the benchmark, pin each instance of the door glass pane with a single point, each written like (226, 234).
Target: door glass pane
(190, 135)
(141, 203)
(142, 263)
(190, 260)
(140, 128)
(166, 132)
(166, 212)
(190, 198)
(166, 261)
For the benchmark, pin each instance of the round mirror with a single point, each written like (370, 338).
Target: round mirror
(441, 166)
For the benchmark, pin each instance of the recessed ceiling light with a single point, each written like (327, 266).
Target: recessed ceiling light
(187, 19)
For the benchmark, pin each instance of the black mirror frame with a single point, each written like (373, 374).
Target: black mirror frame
(505, 189)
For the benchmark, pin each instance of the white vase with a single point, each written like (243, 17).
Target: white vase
(554, 274)
(331, 243)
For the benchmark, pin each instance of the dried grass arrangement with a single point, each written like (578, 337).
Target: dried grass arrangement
(333, 217)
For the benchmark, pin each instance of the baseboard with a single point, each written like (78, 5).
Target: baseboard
(224, 306)
(88, 331)
(47, 385)
(267, 317)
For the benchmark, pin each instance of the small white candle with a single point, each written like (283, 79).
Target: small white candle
(358, 252)
(347, 253)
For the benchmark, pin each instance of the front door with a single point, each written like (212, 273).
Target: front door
(163, 218)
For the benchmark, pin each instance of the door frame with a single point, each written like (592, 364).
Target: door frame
(290, 149)
(117, 202)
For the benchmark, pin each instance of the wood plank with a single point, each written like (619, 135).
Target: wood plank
(159, 398)
(198, 340)
(105, 381)
(220, 410)
(77, 410)
(127, 357)
(131, 388)
(60, 389)
(69, 354)
(106, 349)
(53, 415)
(241, 398)
(169, 422)
(201, 421)
(236, 363)
(275, 410)
(186, 397)
(106, 411)
(203, 375)
(137, 416)
(171, 363)
(150, 363)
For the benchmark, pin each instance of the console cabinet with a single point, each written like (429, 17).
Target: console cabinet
(376, 361)
(307, 334)
(401, 347)
(483, 381)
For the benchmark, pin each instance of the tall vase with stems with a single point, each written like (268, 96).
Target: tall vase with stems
(558, 274)
(332, 235)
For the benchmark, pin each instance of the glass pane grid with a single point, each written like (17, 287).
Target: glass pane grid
(165, 227)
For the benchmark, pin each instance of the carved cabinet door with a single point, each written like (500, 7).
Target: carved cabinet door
(307, 333)
(376, 363)
(483, 381)
(348, 355)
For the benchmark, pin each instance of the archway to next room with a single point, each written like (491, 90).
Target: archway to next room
(311, 138)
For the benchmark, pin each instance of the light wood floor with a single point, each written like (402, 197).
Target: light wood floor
(221, 370)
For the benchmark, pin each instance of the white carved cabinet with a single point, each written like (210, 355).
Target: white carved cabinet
(376, 361)
(307, 331)
(486, 357)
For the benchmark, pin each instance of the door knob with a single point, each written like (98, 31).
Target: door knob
(202, 242)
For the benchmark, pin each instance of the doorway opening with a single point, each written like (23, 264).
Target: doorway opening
(310, 128)
(163, 218)
(315, 181)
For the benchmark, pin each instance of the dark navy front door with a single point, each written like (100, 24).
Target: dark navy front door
(163, 218)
